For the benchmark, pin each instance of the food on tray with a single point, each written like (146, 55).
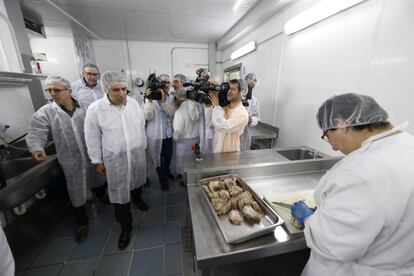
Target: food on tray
(226, 196)
(235, 217)
(251, 214)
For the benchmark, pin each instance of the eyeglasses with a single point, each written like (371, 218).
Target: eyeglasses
(117, 90)
(56, 90)
(325, 136)
(91, 74)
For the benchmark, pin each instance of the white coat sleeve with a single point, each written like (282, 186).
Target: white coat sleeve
(93, 136)
(169, 107)
(39, 130)
(193, 110)
(208, 111)
(148, 110)
(7, 266)
(348, 220)
(178, 125)
(255, 113)
(236, 123)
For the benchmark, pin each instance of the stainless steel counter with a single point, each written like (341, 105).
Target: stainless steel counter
(265, 171)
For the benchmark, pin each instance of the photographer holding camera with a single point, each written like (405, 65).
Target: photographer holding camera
(251, 104)
(159, 109)
(230, 121)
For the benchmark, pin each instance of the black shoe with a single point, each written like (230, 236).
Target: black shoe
(171, 176)
(124, 240)
(148, 183)
(179, 176)
(140, 204)
(104, 199)
(164, 186)
(81, 233)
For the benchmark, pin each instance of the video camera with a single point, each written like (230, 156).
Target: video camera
(155, 84)
(199, 92)
(202, 75)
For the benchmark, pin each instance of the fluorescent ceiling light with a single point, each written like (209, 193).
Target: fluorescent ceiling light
(249, 47)
(319, 12)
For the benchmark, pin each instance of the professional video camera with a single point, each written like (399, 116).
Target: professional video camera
(155, 84)
(199, 92)
(202, 75)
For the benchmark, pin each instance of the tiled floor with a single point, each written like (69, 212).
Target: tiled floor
(156, 246)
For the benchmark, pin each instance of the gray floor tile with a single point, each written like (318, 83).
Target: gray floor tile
(148, 262)
(91, 247)
(149, 236)
(178, 198)
(175, 274)
(52, 270)
(56, 251)
(173, 233)
(173, 259)
(154, 201)
(177, 213)
(102, 223)
(112, 244)
(66, 228)
(114, 265)
(81, 268)
(153, 216)
(136, 220)
(30, 256)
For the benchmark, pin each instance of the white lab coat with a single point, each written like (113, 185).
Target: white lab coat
(115, 136)
(6, 257)
(68, 135)
(154, 126)
(208, 128)
(228, 128)
(186, 132)
(364, 224)
(85, 94)
(254, 112)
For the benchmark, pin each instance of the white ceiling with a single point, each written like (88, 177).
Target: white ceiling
(155, 20)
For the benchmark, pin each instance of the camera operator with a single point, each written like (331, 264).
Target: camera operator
(253, 110)
(186, 129)
(159, 115)
(230, 121)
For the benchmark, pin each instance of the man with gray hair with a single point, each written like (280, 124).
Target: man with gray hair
(364, 221)
(178, 81)
(88, 89)
(115, 137)
(64, 118)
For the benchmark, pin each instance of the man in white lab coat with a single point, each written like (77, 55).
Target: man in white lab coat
(186, 129)
(230, 121)
(252, 106)
(364, 221)
(116, 142)
(7, 266)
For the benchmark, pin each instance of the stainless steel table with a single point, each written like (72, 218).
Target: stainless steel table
(265, 171)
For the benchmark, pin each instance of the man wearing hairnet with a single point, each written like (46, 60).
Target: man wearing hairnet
(252, 106)
(178, 81)
(7, 266)
(88, 89)
(186, 129)
(64, 118)
(230, 121)
(159, 116)
(116, 142)
(364, 221)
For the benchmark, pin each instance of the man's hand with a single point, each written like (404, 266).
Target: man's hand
(100, 168)
(214, 99)
(147, 94)
(39, 155)
(164, 96)
(300, 211)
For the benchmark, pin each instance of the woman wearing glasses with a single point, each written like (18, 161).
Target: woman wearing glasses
(364, 221)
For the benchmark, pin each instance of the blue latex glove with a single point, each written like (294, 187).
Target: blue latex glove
(300, 211)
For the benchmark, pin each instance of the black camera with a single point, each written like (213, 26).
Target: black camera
(199, 92)
(200, 77)
(155, 85)
(248, 96)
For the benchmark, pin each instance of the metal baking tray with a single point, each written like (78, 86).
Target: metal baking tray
(235, 234)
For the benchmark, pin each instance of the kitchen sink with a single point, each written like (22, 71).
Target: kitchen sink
(15, 167)
(301, 153)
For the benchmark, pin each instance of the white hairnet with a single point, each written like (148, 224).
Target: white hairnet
(350, 110)
(251, 77)
(111, 77)
(180, 77)
(89, 65)
(162, 76)
(57, 79)
(181, 93)
(243, 86)
(214, 79)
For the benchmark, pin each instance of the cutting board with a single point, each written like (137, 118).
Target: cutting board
(289, 198)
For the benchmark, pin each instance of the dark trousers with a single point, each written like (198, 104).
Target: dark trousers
(166, 153)
(123, 213)
(81, 218)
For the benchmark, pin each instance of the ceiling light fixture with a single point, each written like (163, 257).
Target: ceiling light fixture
(249, 47)
(317, 13)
